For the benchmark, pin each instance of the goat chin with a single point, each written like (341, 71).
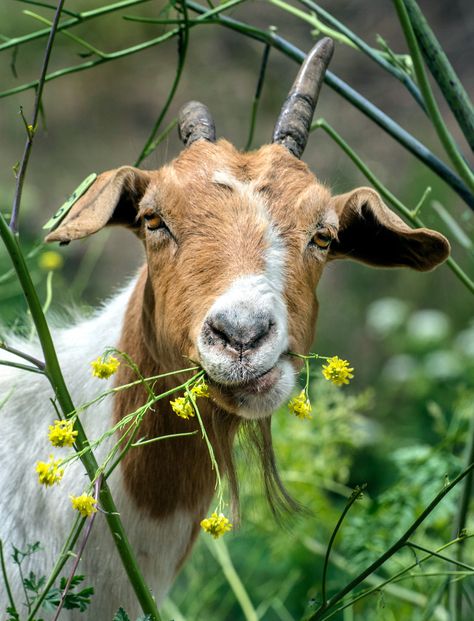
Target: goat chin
(45, 514)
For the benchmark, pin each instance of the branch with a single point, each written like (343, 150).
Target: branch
(400, 543)
(444, 136)
(31, 128)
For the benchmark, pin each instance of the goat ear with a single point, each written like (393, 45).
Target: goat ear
(370, 232)
(112, 199)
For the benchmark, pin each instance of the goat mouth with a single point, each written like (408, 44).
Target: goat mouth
(255, 386)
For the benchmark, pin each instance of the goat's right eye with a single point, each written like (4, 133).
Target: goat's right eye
(154, 222)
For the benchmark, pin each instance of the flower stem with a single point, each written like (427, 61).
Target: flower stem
(444, 136)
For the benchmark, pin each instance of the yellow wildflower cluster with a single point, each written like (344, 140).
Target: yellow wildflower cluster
(338, 371)
(183, 407)
(104, 367)
(49, 472)
(200, 389)
(62, 433)
(85, 504)
(300, 406)
(216, 525)
(50, 260)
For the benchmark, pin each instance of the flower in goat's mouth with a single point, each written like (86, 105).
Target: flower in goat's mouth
(300, 406)
(338, 371)
(182, 407)
(216, 525)
(200, 389)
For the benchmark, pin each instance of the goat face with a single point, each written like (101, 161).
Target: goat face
(235, 245)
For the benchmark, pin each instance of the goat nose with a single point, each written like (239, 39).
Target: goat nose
(234, 333)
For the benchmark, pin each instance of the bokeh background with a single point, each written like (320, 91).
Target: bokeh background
(401, 424)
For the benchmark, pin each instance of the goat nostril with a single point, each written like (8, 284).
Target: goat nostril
(240, 337)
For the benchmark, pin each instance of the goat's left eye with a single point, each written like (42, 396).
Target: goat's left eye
(322, 239)
(154, 222)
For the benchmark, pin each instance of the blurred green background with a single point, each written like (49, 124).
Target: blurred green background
(401, 426)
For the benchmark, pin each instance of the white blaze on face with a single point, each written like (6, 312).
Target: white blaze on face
(245, 332)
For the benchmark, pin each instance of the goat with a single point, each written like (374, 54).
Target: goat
(235, 246)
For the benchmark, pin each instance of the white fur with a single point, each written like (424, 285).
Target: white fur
(245, 298)
(30, 512)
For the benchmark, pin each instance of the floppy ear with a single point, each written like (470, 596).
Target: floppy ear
(370, 232)
(112, 199)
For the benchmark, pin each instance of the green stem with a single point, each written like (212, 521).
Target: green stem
(24, 367)
(258, 92)
(20, 177)
(183, 40)
(455, 592)
(400, 543)
(5, 579)
(359, 43)
(355, 495)
(444, 136)
(222, 555)
(69, 35)
(55, 376)
(78, 19)
(389, 196)
(375, 580)
(62, 559)
(443, 72)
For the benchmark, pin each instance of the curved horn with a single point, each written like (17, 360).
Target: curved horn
(195, 122)
(292, 128)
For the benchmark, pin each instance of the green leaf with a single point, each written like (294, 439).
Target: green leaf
(121, 615)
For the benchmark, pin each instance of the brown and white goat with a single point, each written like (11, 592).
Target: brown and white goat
(235, 246)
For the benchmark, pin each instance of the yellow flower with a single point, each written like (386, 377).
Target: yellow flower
(50, 260)
(182, 407)
(49, 473)
(62, 433)
(216, 525)
(85, 504)
(200, 389)
(103, 367)
(300, 406)
(338, 371)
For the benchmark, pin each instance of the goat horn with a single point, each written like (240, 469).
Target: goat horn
(292, 128)
(195, 122)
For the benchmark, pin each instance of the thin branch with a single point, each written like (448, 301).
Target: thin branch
(80, 552)
(5, 579)
(400, 543)
(455, 592)
(354, 496)
(183, 39)
(18, 365)
(443, 72)
(258, 92)
(21, 354)
(34, 121)
(416, 546)
(444, 135)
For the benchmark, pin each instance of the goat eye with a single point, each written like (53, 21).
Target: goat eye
(154, 222)
(322, 239)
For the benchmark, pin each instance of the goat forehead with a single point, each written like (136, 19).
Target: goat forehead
(210, 182)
